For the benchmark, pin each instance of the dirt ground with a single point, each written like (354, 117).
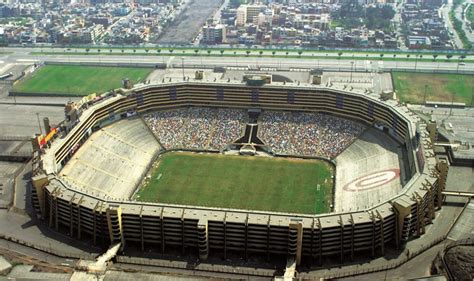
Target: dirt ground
(459, 260)
(187, 25)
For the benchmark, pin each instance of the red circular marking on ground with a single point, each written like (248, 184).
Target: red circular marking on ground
(372, 180)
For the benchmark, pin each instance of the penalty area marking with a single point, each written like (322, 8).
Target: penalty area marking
(372, 180)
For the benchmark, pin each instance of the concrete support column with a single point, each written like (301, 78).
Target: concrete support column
(382, 233)
(402, 209)
(71, 221)
(142, 239)
(182, 232)
(442, 167)
(295, 240)
(203, 239)
(341, 239)
(246, 236)
(420, 215)
(114, 222)
(225, 236)
(320, 242)
(162, 232)
(39, 182)
(79, 218)
(352, 237)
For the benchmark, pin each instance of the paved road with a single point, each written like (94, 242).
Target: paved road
(371, 64)
(444, 10)
(23, 53)
(465, 22)
(21, 120)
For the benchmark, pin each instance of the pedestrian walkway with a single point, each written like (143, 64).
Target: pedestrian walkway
(435, 233)
(26, 231)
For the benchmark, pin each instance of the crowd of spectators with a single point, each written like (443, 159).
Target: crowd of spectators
(197, 128)
(310, 134)
(307, 133)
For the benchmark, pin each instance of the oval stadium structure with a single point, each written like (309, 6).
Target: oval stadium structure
(374, 205)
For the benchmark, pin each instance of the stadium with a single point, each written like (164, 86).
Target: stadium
(212, 169)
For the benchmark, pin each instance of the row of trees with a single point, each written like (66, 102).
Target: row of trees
(196, 51)
(300, 52)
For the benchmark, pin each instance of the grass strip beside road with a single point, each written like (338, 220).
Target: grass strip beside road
(229, 49)
(256, 55)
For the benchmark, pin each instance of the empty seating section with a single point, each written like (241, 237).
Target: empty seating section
(197, 128)
(369, 159)
(124, 148)
(307, 133)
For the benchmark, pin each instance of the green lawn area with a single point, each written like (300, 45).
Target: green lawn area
(78, 80)
(410, 87)
(240, 182)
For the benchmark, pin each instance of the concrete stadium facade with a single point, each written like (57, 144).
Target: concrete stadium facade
(307, 238)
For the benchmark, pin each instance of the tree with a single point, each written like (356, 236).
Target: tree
(339, 55)
(260, 53)
(122, 51)
(394, 55)
(134, 51)
(87, 50)
(381, 56)
(286, 53)
(300, 52)
(208, 52)
(449, 56)
(196, 51)
(235, 53)
(273, 53)
(434, 57)
(408, 56)
(248, 52)
(110, 51)
(98, 51)
(171, 51)
(222, 52)
(146, 51)
(158, 51)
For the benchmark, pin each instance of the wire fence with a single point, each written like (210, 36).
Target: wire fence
(50, 249)
(198, 267)
(406, 255)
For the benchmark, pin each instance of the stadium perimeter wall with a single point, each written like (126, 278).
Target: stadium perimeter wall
(217, 231)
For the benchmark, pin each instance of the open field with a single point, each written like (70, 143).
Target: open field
(240, 182)
(78, 80)
(410, 87)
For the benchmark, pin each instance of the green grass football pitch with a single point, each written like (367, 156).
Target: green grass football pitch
(240, 182)
(78, 80)
(410, 87)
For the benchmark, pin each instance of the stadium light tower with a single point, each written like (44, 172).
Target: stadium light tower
(39, 123)
(352, 70)
(452, 104)
(424, 96)
(182, 66)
